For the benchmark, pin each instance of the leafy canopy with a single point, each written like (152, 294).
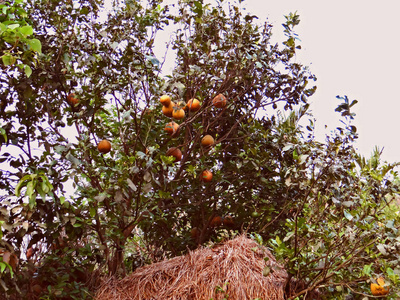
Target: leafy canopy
(72, 214)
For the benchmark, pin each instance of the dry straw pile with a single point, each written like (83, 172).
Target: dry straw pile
(235, 266)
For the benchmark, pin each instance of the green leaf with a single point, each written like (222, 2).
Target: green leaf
(32, 201)
(348, 215)
(382, 249)
(84, 11)
(295, 155)
(26, 30)
(4, 134)
(13, 26)
(46, 185)
(73, 159)
(3, 27)
(163, 194)
(92, 212)
(41, 193)
(131, 185)
(30, 188)
(153, 60)
(8, 59)
(390, 272)
(287, 147)
(35, 45)
(302, 158)
(28, 71)
(2, 267)
(180, 86)
(21, 184)
(367, 270)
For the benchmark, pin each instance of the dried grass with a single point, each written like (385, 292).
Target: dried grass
(236, 266)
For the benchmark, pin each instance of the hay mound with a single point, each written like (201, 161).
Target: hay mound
(235, 266)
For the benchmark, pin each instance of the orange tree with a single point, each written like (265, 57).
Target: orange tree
(72, 213)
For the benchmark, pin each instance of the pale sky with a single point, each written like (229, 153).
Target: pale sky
(352, 47)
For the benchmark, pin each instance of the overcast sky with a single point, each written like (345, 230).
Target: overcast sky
(352, 47)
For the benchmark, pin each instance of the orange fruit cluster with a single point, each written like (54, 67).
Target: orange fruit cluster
(177, 112)
(171, 109)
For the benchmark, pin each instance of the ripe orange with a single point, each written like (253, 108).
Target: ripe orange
(228, 221)
(206, 176)
(178, 113)
(165, 100)
(171, 128)
(175, 152)
(104, 146)
(36, 289)
(9, 258)
(219, 101)
(29, 253)
(193, 105)
(207, 140)
(168, 110)
(195, 233)
(379, 289)
(216, 221)
(72, 100)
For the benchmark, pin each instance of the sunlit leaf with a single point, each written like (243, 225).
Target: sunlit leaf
(35, 45)
(26, 30)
